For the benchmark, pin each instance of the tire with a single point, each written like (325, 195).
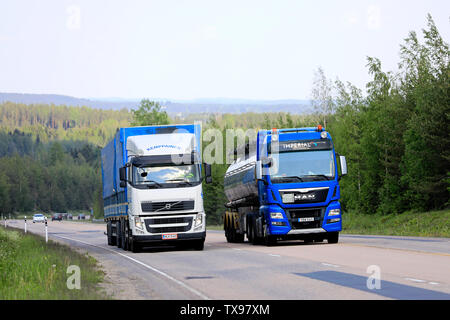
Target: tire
(228, 234)
(333, 237)
(256, 240)
(119, 234)
(232, 235)
(199, 245)
(134, 246)
(250, 234)
(238, 237)
(125, 237)
(108, 233)
(270, 240)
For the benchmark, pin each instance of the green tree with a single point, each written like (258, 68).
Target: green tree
(149, 113)
(4, 194)
(427, 140)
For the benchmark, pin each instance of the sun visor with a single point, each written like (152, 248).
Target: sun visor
(173, 159)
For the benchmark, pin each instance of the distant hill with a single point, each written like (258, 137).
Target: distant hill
(57, 99)
(207, 105)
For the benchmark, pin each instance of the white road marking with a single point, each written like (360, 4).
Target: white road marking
(192, 290)
(415, 280)
(433, 283)
(274, 255)
(330, 265)
(237, 249)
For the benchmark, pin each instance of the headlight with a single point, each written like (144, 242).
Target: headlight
(324, 135)
(334, 212)
(276, 215)
(138, 223)
(198, 220)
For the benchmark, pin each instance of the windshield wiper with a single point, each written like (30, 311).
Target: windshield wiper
(318, 175)
(181, 180)
(152, 185)
(292, 177)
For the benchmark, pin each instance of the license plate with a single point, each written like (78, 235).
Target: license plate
(169, 236)
(305, 219)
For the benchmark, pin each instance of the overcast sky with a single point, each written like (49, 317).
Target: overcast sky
(200, 49)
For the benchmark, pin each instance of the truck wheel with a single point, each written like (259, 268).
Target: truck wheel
(250, 230)
(228, 233)
(256, 239)
(111, 239)
(119, 234)
(199, 245)
(238, 238)
(125, 235)
(134, 246)
(270, 240)
(108, 233)
(333, 237)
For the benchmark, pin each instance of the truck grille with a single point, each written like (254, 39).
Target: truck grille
(313, 196)
(316, 213)
(167, 206)
(172, 229)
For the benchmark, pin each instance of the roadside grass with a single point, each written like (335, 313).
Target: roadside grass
(415, 224)
(214, 227)
(31, 269)
(419, 224)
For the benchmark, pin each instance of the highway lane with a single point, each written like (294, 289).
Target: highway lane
(410, 268)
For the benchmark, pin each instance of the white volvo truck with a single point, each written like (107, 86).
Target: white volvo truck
(152, 187)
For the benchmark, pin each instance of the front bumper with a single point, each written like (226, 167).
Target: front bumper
(194, 236)
(321, 223)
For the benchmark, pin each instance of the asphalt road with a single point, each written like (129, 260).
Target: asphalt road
(408, 267)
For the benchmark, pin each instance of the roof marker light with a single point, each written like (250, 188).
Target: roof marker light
(274, 134)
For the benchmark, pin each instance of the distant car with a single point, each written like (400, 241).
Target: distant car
(69, 217)
(81, 216)
(38, 218)
(57, 217)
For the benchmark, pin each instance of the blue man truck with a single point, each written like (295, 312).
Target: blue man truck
(152, 187)
(285, 185)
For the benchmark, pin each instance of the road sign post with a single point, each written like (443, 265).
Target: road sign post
(46, 231)
(25, 228)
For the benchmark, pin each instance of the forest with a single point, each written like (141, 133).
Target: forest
(394, 133)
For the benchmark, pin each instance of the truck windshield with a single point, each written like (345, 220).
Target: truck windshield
(303, 166)
(164, 174)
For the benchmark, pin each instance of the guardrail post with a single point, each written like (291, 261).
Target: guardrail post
(25, 228)
(46, 231)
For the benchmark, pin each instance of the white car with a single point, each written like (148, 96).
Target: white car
(38, 218)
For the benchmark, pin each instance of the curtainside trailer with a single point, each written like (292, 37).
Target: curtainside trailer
(152, 186)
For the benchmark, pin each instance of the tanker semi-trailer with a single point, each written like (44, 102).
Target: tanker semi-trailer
(285, 186)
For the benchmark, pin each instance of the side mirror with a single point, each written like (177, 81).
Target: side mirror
(343, 162)
(208, 173)
(258, 170)
(268, 161)
(123, 174)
